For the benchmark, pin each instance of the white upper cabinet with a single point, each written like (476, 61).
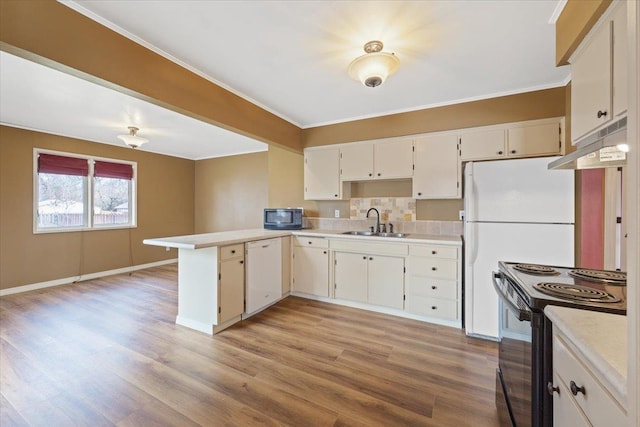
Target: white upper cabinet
(322, 174)
(437, 168)
(388, 159)
(534, 140)
(482, 144)
(393, 159)
(356, 161)
(599, 74)
(620, 60)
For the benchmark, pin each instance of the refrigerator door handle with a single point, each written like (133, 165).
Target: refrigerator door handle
(471, 234)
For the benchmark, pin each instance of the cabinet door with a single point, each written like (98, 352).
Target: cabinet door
(620, 59)
(591, 85)
(482, 145)
(356, 162)
(437, 168)
(231, 289)
(322, 174)
(393, 159)
(386, 281)
(537, 140)
(311, 271)
(350, 276)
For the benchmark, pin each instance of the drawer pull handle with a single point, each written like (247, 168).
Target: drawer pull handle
(433, 307)
(419, 194)
(575, 389)
(551, 389)
(371, 259)
(233, 251)
(434, 287)
(364, 257)
(434, 252)
(500, 153)
(602, 114)
(324, 252)
(241, 262)
(433, 269)
(310, 242)
(513, 151)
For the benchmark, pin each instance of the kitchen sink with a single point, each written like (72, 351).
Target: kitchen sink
(370, 233)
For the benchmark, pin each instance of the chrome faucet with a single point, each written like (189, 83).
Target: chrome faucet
(377, 219)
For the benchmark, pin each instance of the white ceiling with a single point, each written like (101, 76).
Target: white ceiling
(291, 58)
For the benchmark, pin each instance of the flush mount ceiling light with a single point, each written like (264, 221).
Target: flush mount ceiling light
(133, 140)
(373, 68)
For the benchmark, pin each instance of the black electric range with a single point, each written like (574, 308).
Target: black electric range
(525, 358)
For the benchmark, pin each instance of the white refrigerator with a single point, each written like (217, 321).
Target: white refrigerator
(515, 210)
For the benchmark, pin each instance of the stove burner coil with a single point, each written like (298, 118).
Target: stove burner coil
(575, 292)
(600, 276)
(539, 270)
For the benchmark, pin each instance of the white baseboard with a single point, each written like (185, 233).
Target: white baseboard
(68, 280)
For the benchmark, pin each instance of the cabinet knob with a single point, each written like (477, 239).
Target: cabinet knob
(434, 252)
(602, 114)
(370, 174)
(575, 389)
(419, 194)
(513, 151)
(551, 389)
(241, 262)
(433, 269)
(434, 287)
(233, 251)
(500, 152)
(433, 307)
(335, 195)
(310, 242)
(324, 252)
(379, 174)
(371, 259)
(364, 257)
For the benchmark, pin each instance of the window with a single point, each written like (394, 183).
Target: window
(74, 192)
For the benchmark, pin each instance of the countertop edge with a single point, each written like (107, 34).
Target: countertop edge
(577, 326)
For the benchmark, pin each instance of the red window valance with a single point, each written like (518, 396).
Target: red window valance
(112, 170)
(62, 165)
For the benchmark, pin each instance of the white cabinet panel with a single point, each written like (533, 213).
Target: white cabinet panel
(591, 84)
(356, 161)
(437, 168)
(393, 159)
(350, 276)
(231, 285)
(535, 140)
(386, 284)
(620, 59)
(322, 174)
(311, 270)
(482, 144)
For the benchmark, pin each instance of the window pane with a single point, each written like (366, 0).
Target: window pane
(110, 201)
(60, 200)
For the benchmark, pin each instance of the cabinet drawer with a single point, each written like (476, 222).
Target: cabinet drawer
(431, 288)
(231, 251)
(433, 251)
(434, 307)
(433, 267)
(311, 242)
(599, 407)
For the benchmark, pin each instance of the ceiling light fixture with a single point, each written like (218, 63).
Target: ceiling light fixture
(133, 140)
(373, 68)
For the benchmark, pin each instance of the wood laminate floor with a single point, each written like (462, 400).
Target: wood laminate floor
(107, 352)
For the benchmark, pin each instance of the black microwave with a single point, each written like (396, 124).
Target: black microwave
(283, 218)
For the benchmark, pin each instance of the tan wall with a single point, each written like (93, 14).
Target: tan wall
(48, 32)
(231, 192)
(286, 181)
(525, 106)
(573, 24)
(165, 208)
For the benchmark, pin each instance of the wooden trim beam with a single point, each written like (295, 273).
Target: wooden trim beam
(573, 24)
(55, 35)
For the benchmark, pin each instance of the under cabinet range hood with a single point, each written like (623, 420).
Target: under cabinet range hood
(603, 149)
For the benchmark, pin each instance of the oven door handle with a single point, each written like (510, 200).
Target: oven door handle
(522, 314)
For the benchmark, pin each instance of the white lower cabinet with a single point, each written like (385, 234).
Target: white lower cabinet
(369, 278)
(579, 398)
(433, 286)
(311, 266)
(231, 283)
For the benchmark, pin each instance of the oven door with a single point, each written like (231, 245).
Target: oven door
(515, 356)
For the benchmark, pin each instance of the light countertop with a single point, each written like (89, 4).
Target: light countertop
(199, 241)
(602, 341)
(207, 240)
(453, 240)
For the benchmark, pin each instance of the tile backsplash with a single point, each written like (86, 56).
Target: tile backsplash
(392, 209)
(419, 227)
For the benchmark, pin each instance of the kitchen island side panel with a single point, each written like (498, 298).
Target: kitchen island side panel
(198, 288)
